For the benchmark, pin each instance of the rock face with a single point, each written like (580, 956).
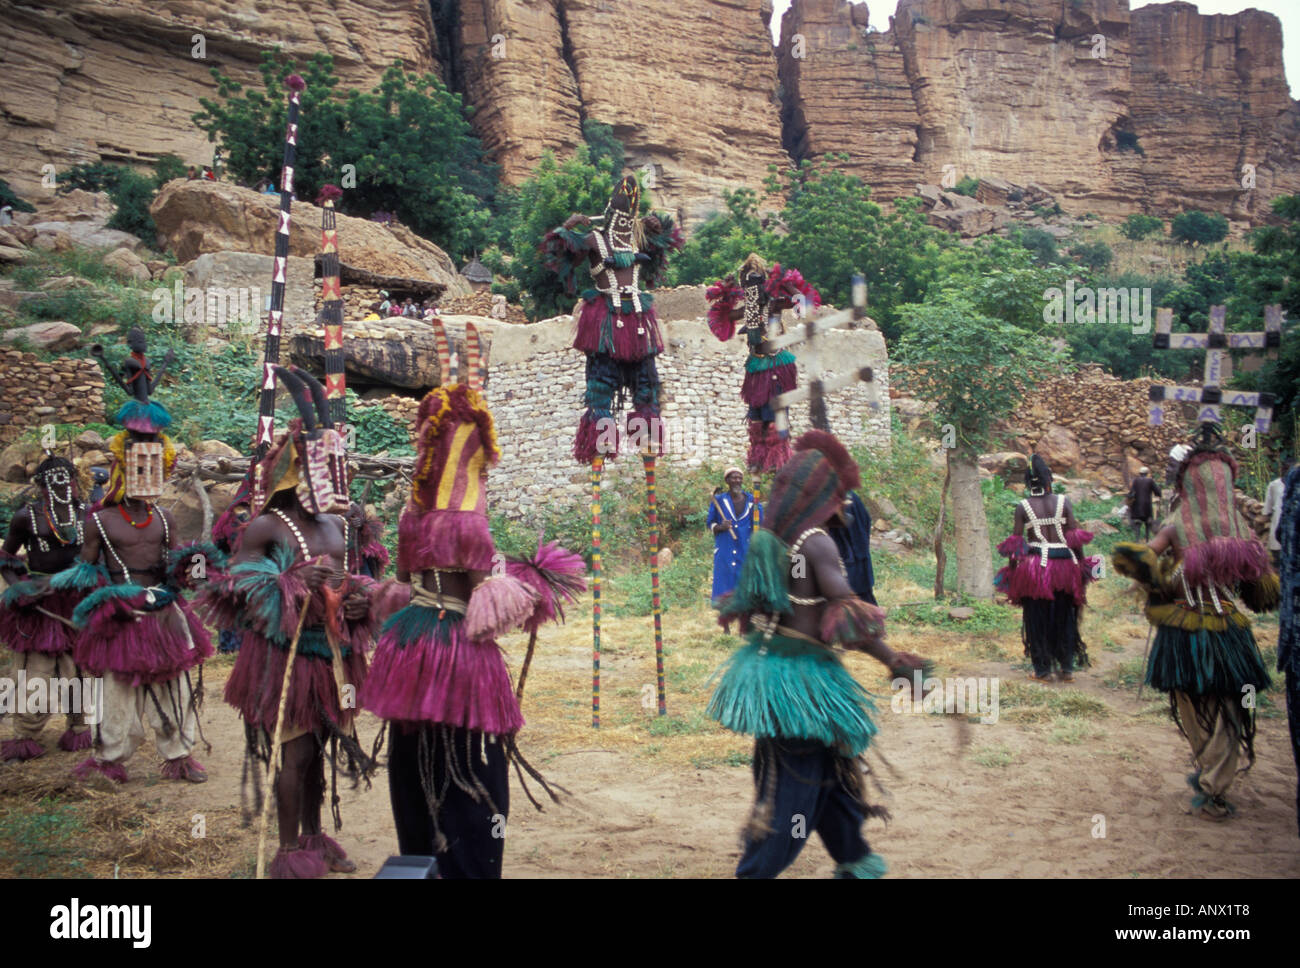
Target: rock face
(690, 88)
(196, 217)
(90, 80)
(1112, 111)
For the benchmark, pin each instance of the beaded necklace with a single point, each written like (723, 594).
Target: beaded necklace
(112, 552)
(293, 528)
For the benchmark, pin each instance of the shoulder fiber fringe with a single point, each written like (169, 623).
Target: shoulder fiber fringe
(764, 584)
(791, 689)
(499, 603)
(851, 621)
(182, 563)
(12, 562)
(556, 575)
(264, 595)
(80, 576)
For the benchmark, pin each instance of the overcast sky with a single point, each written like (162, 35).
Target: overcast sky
(1288, 11)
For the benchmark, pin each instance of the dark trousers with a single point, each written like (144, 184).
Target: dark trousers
(1293, 718)
(1139, 526)
(803, 783)
(474, 829)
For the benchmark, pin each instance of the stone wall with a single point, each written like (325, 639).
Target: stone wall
(536, 384)
(57, 392)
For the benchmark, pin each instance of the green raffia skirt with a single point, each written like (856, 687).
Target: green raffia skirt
(787, 688)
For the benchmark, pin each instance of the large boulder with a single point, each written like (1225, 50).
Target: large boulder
(128, 265)
(194, 217)
(393, 352)
(1060, 448)
(18, 461)
(52, 336)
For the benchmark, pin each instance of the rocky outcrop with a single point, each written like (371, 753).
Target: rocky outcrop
(1113, 112)
(117, 80)
(197, 217)
(393, 353)
(690, 88)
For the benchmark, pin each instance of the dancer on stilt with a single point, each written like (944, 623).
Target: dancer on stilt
(438, 676)
(619, 332)
(35, 619)
(757, 301)
(1046, 576)
(1204, 653)
(287, 591)
(786, 687)
(136, 629)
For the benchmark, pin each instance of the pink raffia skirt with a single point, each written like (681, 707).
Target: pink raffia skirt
(24, 629)
(428, 670)
(154, 647)
(254, 687)
(626, 337)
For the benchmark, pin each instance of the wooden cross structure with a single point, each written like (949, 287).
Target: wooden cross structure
(815, 392)
(1216, 343)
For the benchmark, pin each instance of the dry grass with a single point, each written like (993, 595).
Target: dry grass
(52, 824)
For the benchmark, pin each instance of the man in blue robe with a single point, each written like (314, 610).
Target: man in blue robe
(733, 516)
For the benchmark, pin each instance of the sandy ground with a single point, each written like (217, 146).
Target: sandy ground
(651, 797)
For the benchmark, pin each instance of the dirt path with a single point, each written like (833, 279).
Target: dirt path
(1022, 797)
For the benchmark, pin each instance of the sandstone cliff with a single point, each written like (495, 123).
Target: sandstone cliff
(690, 88)
(117, 80)
(1114, 112)
(1161, 118)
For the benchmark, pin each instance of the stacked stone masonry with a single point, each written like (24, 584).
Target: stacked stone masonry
(536, 385)
(62, 391)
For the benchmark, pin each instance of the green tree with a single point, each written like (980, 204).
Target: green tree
(1039, 242)
(408, 144)
(967, 186)
(603, 146)
(553, 193)
(1140, 226)
(1197, 226)
(973, 369)
(721, 242)
(835, 230)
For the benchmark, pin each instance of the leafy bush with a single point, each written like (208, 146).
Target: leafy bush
(1128, 141)
(967, 186)
(166, 168)
(132, 196)
(7, 197)
(1040, 243)
(1097, 256)
(1140, 226)
(1197, 226)
(93, 177)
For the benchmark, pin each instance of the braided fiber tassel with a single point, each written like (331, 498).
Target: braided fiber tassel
(597, 467)
(266, 408)
(652, 507)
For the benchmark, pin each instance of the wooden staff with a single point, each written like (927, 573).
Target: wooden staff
(724, 517)
(273, 768)
(597, 466)
(523, 669)
(656, 609)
